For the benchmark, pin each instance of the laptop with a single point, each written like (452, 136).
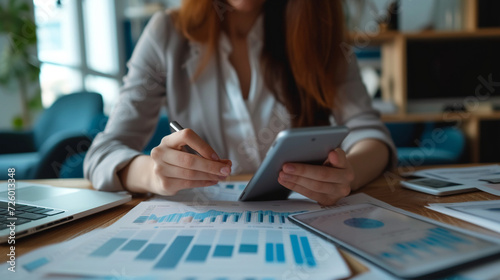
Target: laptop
(40, 207)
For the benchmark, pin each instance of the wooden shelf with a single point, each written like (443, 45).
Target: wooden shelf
(388, 36)
(440, 117)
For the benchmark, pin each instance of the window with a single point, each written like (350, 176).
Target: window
(78, 47)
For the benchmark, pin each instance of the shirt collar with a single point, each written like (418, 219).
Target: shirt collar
(254, 39)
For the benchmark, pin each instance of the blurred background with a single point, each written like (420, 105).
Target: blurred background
(422, 61)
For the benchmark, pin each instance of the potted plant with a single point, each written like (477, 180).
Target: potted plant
(18, 65)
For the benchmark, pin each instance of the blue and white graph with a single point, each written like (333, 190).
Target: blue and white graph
(228, 240)
(214, 216)
(172, 249)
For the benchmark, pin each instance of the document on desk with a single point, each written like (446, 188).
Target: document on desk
(29, 265)
(485, 178)
(191, 240)
(483, 213)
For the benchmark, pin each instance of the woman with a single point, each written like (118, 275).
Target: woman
(237, 72)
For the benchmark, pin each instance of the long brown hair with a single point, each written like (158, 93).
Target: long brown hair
(301, 58)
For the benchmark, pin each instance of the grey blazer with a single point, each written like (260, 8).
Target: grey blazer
(160, 72)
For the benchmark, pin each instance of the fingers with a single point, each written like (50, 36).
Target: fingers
(176, 170)
(337, 158)
(317, 172)
(313, 185)
(322, 199)
(325, 184)
(188, 137)
(167, 170)
(190, 161)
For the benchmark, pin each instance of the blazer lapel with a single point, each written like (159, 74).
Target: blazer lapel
(206, 89)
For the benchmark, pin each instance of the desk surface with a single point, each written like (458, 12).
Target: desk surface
(387, 190)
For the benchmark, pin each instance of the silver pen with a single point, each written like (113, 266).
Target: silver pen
(177, 127)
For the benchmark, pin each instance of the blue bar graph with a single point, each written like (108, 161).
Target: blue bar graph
(225, 245)
(297, 254)
(280, 253)
(134, 245)
(249, 242)
(212, 215)
(307, 251)
(171, 249)
(109, 247)
(269, 253)
(36, 264)
(156, 245)
(436, 239)
(232, 187)
(151, 252)
(201, 248)
(223, 251)
(198, 253)
(275, 250)
(248, 248)
(174, 253)
(141, 219)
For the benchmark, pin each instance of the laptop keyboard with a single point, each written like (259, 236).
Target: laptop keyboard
(25, 213)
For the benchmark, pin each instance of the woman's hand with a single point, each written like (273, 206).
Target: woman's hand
(326, 184)
(174, 169)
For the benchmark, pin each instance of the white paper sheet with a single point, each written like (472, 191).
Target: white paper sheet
(28, 265)
(482, 213)
(477, 176)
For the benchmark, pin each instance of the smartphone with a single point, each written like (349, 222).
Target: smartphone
(404, 244)
(437, 187)
(306, 145)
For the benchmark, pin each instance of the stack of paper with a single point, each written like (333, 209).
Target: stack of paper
(482, 213)
(198, 238)
(485, 178)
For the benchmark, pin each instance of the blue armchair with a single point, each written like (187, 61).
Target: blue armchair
(73, 165)
(61, 130)
(426, 144)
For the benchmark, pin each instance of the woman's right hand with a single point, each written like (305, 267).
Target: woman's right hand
(175, 169)
(170, 169)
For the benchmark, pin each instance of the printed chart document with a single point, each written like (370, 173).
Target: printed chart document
(29, 265)
(485, 178)
(481, 213)
(184, 240)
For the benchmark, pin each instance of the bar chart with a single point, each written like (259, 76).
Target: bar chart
(169, 249)
(435, 239)
(254, 253)
(214, 216)
(223, 240)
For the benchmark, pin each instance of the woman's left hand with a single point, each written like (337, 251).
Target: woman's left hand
(326, 184)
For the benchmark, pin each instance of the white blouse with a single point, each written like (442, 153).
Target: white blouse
(253, 123)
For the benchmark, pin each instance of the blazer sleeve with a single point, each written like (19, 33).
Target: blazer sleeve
(353, 108)
(134, 118)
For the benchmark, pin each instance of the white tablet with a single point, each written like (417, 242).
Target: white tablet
(306, 145)
(406, 245)
(437, 187)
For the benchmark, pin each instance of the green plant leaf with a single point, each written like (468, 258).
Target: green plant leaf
(24, 7)
(17, 123)
(35, 103)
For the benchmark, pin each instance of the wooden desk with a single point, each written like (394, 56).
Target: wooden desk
(380, 189)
